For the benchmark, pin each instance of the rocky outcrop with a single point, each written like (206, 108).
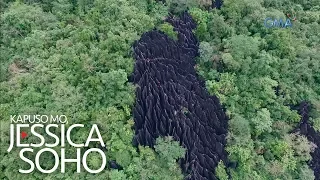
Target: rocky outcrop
(217, 4)
(172, 101)
(305, 128)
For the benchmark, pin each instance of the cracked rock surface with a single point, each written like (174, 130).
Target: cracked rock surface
(313, 136)
(172, 101)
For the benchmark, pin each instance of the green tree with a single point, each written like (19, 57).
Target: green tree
(168, 29)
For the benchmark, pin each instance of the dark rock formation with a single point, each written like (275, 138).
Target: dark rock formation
(217, 4)
(114, 165)
(305, 128)
(172, 101)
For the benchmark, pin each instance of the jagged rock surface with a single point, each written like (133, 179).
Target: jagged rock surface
(172, 101)
(305, 128)
(217, 4)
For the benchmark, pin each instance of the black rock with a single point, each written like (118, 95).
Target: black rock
(305, 128)
(173, 101)
(217, 4)
(114, 165)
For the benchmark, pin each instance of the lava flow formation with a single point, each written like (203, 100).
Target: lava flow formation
(313, 136)
(172, 101)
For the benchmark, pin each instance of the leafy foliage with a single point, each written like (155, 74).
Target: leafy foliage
(168, 29)
(74, 58)
(257, 72)
(221, 172)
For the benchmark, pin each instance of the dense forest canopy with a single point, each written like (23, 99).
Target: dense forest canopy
(75, 57)
(258, 73)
